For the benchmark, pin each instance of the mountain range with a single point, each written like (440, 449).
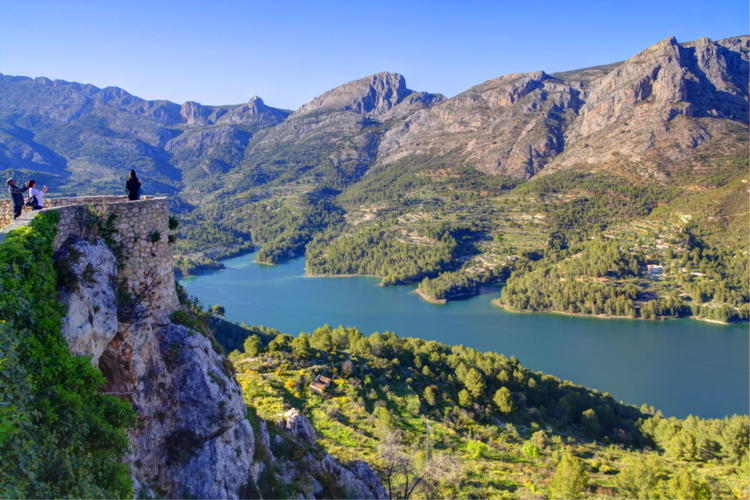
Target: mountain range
(671, 109)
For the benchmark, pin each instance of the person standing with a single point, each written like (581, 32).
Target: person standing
(133, 187)
(16, 193)
(39, 195)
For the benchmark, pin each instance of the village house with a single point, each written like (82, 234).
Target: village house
(654, 269)
(320, 384)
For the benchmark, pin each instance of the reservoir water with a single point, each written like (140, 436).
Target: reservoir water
(681, 367)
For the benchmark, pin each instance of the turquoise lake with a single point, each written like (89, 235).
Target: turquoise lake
(681, 367)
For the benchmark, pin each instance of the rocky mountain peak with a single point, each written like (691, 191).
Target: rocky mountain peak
(254, 111)
(372, 95)
(194, 113)
(700, 78)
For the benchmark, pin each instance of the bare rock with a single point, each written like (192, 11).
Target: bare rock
(265, 437)
(91, 322)
(369, 478)
(297, 425)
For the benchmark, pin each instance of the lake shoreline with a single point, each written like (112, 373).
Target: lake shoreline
(497, 303)
(654, 362)
(443, 301)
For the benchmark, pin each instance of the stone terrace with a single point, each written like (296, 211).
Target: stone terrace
(142, 228)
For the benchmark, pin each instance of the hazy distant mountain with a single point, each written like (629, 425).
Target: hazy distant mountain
(85, 134)
(673, 107)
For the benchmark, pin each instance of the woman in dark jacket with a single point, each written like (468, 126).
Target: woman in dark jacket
(133, 187)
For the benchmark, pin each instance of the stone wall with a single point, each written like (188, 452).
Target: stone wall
(141, 230)
(6, 205)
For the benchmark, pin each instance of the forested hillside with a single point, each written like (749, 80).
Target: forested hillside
(443, 421)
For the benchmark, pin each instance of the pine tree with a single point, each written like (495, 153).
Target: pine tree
(682, 485)
(253, 345)
(474, 383)
(503, 400)
(301, 346)
(570, 479)
(465, 399)
(429, 396)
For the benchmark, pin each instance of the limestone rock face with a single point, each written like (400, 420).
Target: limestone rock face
(655, 108)
(373, 95)
(297, 425)
(207, 148)
(369, 478)
(660, 105)
(337, 133)
(91, 322)
(264, 435)
(254, 111)
(313, 473)
(512, 125)
(310, 473)
(193, 439)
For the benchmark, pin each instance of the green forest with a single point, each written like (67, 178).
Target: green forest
(601, 278)
(369, 253)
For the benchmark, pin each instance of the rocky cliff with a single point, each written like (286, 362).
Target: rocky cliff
(655, 108)
(72, 130)
(334, 138)
(192, 438)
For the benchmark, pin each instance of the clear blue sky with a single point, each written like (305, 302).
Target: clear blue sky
(287, 52)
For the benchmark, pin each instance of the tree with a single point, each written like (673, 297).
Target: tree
(404, 471)
(474, 383)
(591, 423)
(570, 479)
(301, 346)
(218, 310)
(384, 417)
(503, 400)
(347, 367)
(640, 479)
(281, 343)
(465, 399)
(540, 439)
(429, 396)
(682, 485)
(253, 346)
(324, 342)
(530, 450)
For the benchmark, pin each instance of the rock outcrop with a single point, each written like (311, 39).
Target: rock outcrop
(297, 425)
(673, 106)
(309, 472)
(91, 322)
(192, 438)
(659, 106)
(336, 133)
(512, 125)
(254, 111)
(655, 108)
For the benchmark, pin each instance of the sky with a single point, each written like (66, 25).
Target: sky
(288, 52)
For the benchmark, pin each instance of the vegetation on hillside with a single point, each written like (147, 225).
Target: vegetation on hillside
(510, 432)
(60, 436)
